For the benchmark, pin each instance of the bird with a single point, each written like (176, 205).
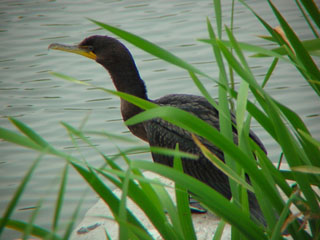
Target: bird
(118, 61)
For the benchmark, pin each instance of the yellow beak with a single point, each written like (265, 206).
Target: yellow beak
(73, 49)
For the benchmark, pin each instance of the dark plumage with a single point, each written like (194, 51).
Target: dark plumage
(117, 60)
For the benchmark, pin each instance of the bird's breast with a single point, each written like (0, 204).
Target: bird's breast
(129, 110)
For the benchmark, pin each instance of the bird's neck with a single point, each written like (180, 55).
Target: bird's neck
(127, 79)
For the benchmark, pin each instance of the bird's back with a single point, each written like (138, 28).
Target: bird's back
(164, 134)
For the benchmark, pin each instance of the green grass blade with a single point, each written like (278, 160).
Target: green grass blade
(153, 212)
(276, 233)
(27, 231)
(135, 232)
(306, 18)
(237, 49)
(289, 176)
(222, 166)
(150, 48)
(219, 230)
(182, 198)
(310, 147)
(188, 121)
(292, 153)
(144, 104)
(59, 202)
(270, 71)
(32, 141)
(17, 195)
(104, 192)
(111, 136)
(30, 133)
(184, 120)
(213, 200)
(36, 231)
(224, 112)
(158, 150)
(311, 151)
(79, 134)
(223, 107)
(299, 49)
(218, 16)
(73, 219)
(111, 173)
(261, 117)
(286, 142)
(313, 10)
(262, 97)
(259, 51)
(70, 79)
(123, 233)
(305, 63)
(242, 72)
(170, 209)
(275, 36)
(203, 90)
(241, 106)
(308, 137)
(120, 173)
(312, 47)
(148, 188)
(307, 169)
(18, 139)
(267, 166)
(299, 126)
(174, 153)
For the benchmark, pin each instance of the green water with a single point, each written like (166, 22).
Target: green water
(30, 93)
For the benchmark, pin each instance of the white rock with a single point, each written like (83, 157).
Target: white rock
(98, 220)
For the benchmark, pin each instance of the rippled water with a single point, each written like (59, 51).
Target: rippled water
(30, 93)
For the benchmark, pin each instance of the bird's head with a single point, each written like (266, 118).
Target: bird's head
(105, 50)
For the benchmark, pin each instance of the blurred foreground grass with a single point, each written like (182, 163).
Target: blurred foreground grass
(300, 150)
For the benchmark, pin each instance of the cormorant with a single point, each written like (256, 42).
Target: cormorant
(118, 61)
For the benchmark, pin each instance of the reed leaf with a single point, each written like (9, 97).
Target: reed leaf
(72, 222)
(5, 220)
(260, 51)
(151, 48)
(171, 210)
(313, 10)
(60, 197)
(104, 192)
(213, 200)
(18, 139)
(307, 169)
(122, 216)
(36, 230)
(305, 59)
(154, 213)
(30, 133)
(312, 46)
(27, 231)
(182, 198)
(221, 165)
(219, 230)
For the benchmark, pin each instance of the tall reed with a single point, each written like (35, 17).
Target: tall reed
(300, 149)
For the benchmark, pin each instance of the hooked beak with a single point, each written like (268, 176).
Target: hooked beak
(81, 50)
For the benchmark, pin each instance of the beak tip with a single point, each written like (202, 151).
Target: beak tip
(52, 46)
(73, 49)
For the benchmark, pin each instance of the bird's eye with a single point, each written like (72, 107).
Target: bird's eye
(91, 49)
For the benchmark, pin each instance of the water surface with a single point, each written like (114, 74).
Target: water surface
(31, 94)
